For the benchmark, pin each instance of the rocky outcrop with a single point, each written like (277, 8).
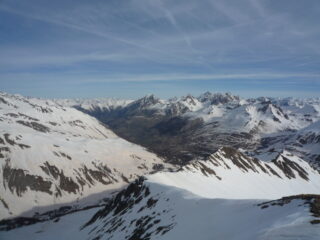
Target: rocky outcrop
(135, 199)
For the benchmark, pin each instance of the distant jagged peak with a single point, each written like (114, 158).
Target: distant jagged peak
(189, 99)
(218, 98)
(149, 98)
(267, 107)
(146, 101)
(189, 102)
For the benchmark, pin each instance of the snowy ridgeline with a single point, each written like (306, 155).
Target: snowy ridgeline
(233, 175)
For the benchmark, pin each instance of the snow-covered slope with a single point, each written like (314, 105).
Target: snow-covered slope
(149, 210)
(233, 175)
(51, 154)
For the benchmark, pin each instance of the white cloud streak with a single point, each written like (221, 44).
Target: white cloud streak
(167, 36)
(77, 77)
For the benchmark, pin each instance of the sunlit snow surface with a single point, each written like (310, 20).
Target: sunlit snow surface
(190, 216)
(232, 182)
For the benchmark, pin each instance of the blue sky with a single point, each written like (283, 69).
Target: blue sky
(129, 48)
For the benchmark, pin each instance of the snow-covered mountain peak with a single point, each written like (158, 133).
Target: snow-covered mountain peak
(189, 99)
(148, 101)
(190, 103)
(217, 98)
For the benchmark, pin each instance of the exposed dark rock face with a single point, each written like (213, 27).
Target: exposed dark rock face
(28, 117)
(39, 108)
(18, 181)
(226, 157)
(157, 167)
(3, 101)
(35, 125)
(12, 142)
(4, 203)
(3, 151)
(113, 218)
(54, 123)
(62, 154)
(124, 200)
(13, 115)
(65, 183)
(8, 140)
(312, 200)
(288, 166)
(77, 123)
(16, 115)
(50, 170)
(202, 167)
(242, 161)
(84, 177)
(100, 174)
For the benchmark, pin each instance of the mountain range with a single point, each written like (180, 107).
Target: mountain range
(181, 129)
(215, 166)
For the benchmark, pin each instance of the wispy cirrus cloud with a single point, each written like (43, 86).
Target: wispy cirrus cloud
(162, 40)
(97, 77)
